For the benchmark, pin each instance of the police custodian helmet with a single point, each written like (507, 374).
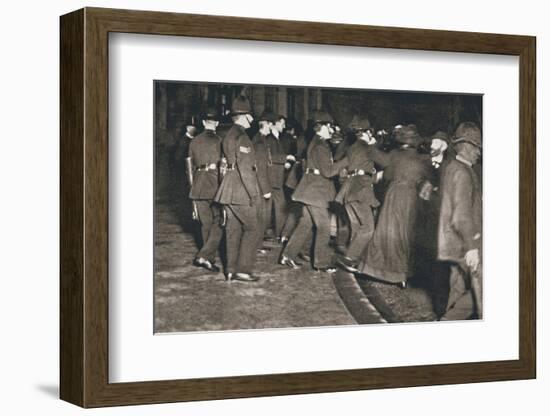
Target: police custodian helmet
(241, 105)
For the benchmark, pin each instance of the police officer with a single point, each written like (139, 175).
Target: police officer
(205, 154)
(278, 162)
(182, 180)
(293, 179)
(316, 190)
(357, 194)
(239, 192)
(459, 241)
(265, 122)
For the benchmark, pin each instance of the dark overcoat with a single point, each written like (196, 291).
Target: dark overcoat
(205, 149)
(240, 184)
(318, 189)
(390, 252)
(296, 171)
(262, 163)
(289, 143)
(276, 158)
(359, 187)
(460, 218)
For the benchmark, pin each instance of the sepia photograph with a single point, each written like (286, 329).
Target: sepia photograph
(299, 207)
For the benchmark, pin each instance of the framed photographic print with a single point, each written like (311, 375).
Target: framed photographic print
(257, 207)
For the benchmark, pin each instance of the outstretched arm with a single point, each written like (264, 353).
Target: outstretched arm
(327, 166)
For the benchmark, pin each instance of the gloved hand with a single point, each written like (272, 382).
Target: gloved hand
(287, 165)
(426, 191)
(267, 196)
(343, 173)
(472, 259)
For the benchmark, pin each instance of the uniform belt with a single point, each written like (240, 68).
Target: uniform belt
(211, 166)
(358, 172)
(313, 171)
(231, 166)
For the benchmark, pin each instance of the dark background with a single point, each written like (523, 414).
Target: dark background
(178, 104)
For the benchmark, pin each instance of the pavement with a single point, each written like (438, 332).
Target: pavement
(189, 298)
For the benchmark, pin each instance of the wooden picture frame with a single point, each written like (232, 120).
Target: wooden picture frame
(84, 207)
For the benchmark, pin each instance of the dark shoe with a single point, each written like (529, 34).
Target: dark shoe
(202, 262)
(340, 249)
(347, 264)
(245, 277)
(305, 257)
(287, 261)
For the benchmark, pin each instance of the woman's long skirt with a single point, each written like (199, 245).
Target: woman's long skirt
(389, 256)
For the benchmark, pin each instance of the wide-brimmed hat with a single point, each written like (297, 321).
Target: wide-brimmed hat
(441, 135)
(408, 135)
(359, 123)
(322, 117)
(467, 132)
(241, 105)
(210, 114)
(268, 116)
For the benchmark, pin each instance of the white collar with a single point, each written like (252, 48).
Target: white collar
(461, 159)
(438, 159)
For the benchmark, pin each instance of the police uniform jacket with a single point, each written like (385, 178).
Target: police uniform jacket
(276, 158)
(262, 164)
(289, 143)
(205, 150)
(461, 210)
(182, 148)
(240, 184)
(359, 187)
(296, 171)
(316, 187)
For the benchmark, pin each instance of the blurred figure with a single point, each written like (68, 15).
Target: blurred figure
(340, 224)
(356, 193)
(431, 273)
(181, 180)
(390, 253)
(265, 123)
(315, 191)
(204, 157)
(460, 224)
(289, 137)
(278, 163)
(239, 192)
(294, 176)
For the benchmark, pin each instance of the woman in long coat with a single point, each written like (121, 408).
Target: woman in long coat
(389, 256)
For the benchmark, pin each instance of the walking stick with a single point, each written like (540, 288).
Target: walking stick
(475, 282)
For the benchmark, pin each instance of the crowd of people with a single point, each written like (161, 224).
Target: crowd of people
(387, 205)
